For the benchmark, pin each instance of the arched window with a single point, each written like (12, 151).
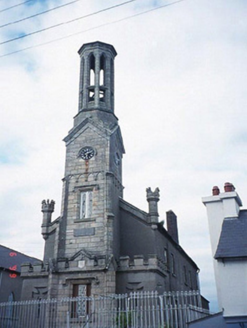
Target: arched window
(92, 69)
(102, 78)
(102, 70)
(91, 91)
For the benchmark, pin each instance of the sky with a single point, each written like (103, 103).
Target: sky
(180, 81)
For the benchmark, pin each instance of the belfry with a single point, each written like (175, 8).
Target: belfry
(97, 76)
(101, 244)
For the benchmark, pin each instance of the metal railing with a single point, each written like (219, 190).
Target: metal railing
(134, 310)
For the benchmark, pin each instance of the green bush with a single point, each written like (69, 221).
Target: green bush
(123, 320)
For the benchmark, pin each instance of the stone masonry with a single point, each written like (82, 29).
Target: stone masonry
(100, 241)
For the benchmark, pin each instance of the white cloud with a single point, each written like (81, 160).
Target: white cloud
(180, 99)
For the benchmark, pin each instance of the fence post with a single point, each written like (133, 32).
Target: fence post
(162, 311)
(67, 319)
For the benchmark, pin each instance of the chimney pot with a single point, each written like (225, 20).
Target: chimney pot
(215, 191)
(229, 187)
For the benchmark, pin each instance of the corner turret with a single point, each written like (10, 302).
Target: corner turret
(47, 207)
(153, 197)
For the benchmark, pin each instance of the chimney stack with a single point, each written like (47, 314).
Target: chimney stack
(171, 223)
(219, 207)
(222, 210)
(231, 201)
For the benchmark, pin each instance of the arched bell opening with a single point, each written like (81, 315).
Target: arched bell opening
(102, 78)
(91, 90)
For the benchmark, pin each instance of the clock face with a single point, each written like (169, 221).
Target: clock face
(87, 153)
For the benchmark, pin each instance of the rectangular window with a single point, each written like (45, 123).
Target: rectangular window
(165, 256)
(172, 265)
(86, 204)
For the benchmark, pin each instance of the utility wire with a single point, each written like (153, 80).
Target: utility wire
(38, 14)
(19, 4)
(90, 29)
(64, 23)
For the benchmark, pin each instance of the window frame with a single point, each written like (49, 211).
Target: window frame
(165, 254)
(172, 265)
(76, 300)
(85, 204)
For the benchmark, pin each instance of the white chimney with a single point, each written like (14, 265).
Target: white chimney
(219, 207)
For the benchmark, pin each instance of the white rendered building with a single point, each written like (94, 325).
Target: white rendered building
(228, 234)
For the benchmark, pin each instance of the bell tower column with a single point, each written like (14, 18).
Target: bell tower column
(93, 171)
(97, 81)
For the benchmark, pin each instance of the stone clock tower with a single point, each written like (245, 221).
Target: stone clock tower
(101, 244)
(93, 169)
(81, 245)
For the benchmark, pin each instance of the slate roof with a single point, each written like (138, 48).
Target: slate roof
(12, 260)
(142, 216)
(233, 238)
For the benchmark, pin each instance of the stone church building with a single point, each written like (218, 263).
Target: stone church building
(101, 244)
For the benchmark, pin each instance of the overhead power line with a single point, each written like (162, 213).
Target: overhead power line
(90, 29)
(38, 14)
(68, 22)
(17, 5)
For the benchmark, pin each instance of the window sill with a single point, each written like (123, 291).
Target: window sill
(84, 220)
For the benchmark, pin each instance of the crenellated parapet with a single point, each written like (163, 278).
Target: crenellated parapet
(47, 206)
(36, 268)
(95, 263)
(155, 195)
(67, 265)
(140, 263)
